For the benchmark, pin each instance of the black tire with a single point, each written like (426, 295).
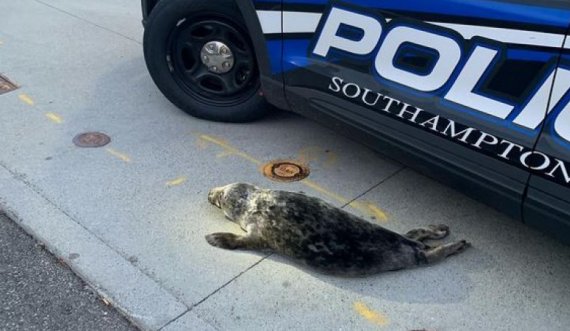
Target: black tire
(173, 32)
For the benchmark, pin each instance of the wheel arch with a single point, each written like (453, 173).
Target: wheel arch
(147, 6)
(272, 84)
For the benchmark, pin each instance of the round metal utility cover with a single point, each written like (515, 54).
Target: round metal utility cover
(285, 171)
(91, 139)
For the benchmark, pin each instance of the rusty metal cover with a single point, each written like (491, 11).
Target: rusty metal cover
(91, 139)
(285, 170)
(6, 85)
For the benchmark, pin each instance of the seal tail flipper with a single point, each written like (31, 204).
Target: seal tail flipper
(438, 253)
(228, 240)
(433, 232)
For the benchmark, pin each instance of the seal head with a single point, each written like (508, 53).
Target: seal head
(233, 199)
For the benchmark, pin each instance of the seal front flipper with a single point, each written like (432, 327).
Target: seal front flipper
(228, 240)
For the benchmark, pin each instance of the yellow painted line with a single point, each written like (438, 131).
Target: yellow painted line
(366, 208)
(377, 212)
(26, 99)
(54, 117)
(119, 155)
(372, 316)
(228, 149)
(224, 154)
(324, 191)
(176, 181)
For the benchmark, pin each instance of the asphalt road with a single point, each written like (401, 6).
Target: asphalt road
(39, 292)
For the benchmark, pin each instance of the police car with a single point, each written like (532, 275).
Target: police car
(474, 93)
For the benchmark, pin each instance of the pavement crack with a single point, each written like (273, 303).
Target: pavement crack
(87, 21)
(230, 281)
(174, 319)
(373, 187)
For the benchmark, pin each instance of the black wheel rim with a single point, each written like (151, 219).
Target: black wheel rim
(183, 56)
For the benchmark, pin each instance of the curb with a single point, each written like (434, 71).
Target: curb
(137, 296)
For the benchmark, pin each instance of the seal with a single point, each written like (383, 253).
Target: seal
(320, 235)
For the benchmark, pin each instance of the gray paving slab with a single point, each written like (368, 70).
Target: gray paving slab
(513, 278)
(115, 15)
(41, 293)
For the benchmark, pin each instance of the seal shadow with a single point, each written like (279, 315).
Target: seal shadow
(448, 281)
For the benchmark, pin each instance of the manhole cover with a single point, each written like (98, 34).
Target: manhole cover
(285, 171)
(6, 85)
(91, 139)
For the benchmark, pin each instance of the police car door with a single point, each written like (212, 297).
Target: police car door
(548, 195)
(453, 81)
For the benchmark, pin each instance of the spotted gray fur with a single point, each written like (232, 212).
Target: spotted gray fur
(321, 235)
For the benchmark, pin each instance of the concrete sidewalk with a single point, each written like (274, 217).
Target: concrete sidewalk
(134, 213)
